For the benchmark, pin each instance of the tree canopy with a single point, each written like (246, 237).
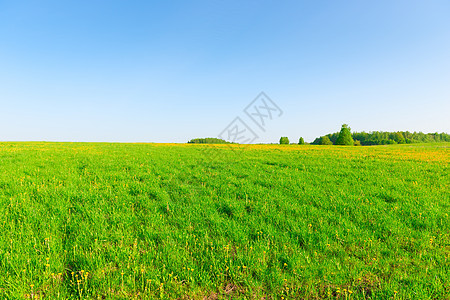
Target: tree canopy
(345, 136)
(386, 138)
(284, 140)
(325, 140)
(208, 141)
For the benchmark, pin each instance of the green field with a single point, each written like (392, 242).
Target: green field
(150, 221)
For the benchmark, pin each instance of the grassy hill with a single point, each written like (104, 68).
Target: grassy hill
(122, 221)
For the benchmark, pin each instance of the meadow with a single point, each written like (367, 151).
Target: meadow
(179, 221)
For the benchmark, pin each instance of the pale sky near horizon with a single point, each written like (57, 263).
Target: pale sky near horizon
(154, 71)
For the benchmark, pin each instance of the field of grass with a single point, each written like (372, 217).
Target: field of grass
(150, 221)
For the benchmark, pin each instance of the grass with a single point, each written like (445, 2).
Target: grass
(150, 221)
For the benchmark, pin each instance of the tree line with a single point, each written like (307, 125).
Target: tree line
(380, 138)
(346, 137)
(208, 141)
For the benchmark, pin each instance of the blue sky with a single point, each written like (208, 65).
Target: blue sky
(154, 71)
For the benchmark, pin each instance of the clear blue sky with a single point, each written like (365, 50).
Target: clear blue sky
(169, 71)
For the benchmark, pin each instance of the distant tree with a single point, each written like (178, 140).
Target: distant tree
(301, 141)
(316, 141)
(284, 140)
(345, 136)
(208, 141)
(437, 137)
(325, 140)
(333, 137)
(385, 138)
(357, 143)
(399, 138)
(362, 137)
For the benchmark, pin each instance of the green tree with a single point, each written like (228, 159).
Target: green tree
(284, 140)
(301, 141)
(208, 141)
(345, 136)
(399, 138)
(384, 138)
(325, 140)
